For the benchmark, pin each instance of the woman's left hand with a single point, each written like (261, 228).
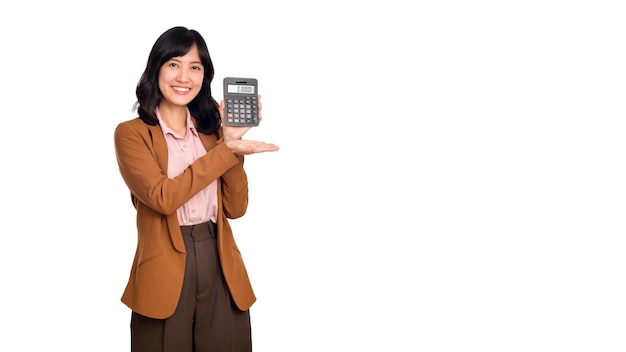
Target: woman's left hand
(233, 137)
(237, 132)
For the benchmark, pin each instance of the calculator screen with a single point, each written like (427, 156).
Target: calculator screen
(242, 89)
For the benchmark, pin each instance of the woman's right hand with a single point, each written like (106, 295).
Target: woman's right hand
(245, 147)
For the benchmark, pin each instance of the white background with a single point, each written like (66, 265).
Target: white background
(451, 174)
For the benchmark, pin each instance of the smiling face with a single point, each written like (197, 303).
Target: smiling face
(180, 78)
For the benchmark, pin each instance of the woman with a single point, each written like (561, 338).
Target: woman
(188, 288)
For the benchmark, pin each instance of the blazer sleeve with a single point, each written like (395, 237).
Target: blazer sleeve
(141, 152)
(235, 191)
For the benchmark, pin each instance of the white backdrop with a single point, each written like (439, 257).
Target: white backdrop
(451, 173)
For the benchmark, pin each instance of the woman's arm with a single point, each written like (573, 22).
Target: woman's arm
(142, 159)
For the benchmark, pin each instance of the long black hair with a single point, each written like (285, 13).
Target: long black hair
(177, 41)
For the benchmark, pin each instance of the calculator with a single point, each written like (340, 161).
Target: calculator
(241, 104)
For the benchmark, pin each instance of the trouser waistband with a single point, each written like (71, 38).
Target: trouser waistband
(199, 232)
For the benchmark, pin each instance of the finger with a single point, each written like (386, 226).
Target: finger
(260, 147)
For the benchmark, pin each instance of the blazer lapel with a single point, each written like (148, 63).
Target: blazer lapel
(208, 140)
(160, 151)
(160, 146)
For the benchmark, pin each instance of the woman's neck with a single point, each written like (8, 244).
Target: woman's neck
(175, 117)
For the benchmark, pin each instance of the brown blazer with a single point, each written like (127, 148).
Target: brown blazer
(156, 276)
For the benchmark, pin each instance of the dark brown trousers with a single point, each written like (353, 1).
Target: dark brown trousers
(206, 319)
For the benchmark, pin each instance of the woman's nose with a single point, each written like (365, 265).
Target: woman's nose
(183, 75)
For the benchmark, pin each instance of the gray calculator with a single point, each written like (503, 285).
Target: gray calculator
(241, 104)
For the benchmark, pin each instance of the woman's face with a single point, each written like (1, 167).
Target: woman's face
(180, 78)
